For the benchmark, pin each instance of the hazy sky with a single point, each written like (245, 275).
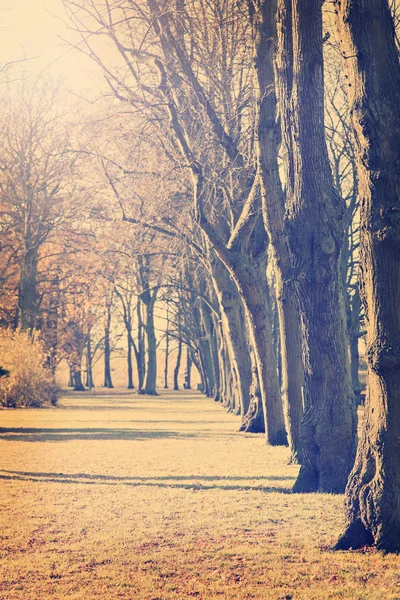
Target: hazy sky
(34, 28)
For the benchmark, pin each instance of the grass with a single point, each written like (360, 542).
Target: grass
(120, 496)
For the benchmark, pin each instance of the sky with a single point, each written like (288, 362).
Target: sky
(35, 28)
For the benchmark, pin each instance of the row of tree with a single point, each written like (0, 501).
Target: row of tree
(243, 170)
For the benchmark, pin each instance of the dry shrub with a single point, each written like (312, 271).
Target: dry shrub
(29, 382)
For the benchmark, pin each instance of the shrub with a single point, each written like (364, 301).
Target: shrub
(27, 381)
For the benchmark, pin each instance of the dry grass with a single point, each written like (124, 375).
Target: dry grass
(129, 497)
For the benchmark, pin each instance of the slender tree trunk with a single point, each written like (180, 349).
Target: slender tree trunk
(367, 37)
(71, 377)
(89, 365)
(141, 348)
(178, 365)
(188, 371)
(131, 385)
(209, 338)
(166, 352)
(107, 351)
(315, 231)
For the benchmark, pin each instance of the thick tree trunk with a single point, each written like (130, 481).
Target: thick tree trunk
(268, 146)
(254, 420)
(368, 46)
(77, 379)
(150, 386)
(27, 293)
(234, 327)
(315, 227)
(254, 292)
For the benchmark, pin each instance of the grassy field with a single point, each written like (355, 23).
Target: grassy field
(129, 497)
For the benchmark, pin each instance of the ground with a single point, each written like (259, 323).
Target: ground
(161, 498)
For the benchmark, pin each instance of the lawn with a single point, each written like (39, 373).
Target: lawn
(122, 496)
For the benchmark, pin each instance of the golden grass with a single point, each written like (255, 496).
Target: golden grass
(157, 499)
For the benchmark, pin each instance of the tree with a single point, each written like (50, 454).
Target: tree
(315, 233)
(372, 71)
(35, 173)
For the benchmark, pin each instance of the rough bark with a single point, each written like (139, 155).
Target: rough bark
(268, 140)
(253, 289)
(233, 323)
(372, 70)
(315, 229)
(353, 321)
(254, 420)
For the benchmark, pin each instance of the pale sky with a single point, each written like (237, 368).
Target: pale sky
(34, 28)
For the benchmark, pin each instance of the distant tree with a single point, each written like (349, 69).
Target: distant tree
(35, 172)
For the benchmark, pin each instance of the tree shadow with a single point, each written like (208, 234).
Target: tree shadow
(27, 434)
(169, 481)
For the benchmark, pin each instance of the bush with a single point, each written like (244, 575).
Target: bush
(27, 381)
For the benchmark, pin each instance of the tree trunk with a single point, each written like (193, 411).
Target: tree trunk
(89, 365)
(188, 371)
(254, 420)
(315, 231)
(178, 365)
(372, 69)
(234, 327)
(131, 385)
(166, 356)
(354, 338)
(27, 293)
(268, 140)
(254, 292)
(141, 348)
(71, 377)
(107, 351)
(209, 338)
(77, 379)
(150, 387)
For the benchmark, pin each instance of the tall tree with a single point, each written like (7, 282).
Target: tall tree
(315, 230)
(372, 71)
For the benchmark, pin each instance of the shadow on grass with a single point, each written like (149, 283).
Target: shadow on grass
(160, 482)
(27, 434)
